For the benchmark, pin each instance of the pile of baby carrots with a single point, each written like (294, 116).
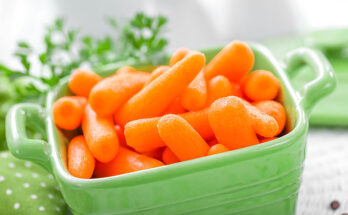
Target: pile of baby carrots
(135, 120)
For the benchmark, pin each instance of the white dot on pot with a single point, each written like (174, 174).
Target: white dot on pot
(16, 205)
(27, 164)
(8, 192)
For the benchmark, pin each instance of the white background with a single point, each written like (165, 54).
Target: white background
(192, 23)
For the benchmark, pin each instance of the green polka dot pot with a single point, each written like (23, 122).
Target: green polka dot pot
(26, 188)
(261, 179)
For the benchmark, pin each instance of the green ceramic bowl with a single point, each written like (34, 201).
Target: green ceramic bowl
(333, 43)
(261, 179)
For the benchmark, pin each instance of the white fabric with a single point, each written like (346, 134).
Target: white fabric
(325, 177)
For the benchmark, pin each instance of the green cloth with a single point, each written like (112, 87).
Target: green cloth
(26, 188)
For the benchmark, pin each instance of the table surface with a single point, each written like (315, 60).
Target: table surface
(325, 176)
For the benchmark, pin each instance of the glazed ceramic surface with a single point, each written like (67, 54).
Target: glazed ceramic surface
(332, 110)
(261, 179)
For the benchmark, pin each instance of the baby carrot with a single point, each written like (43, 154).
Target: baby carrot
(237, 90)
(168, 157)
(82, 81)
(120, 135)
(80, 160)
(142, 134)
(130, 70)
(125, 161)
(200, 122)
(217, 148)
(125, 70)
(275, 110)
(157, 72)
(175, 107)
(195, 95)
(156, 153)
(178, 55)
(181, 138)
(112, 92)
(218, 87)
(234, 62)
(100, 134)
(230, 122)
(213, 142)
(155, 97)
(68, 111)
(263, 124)
(261, 85)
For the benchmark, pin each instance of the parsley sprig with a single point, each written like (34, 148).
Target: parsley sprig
(141, 38)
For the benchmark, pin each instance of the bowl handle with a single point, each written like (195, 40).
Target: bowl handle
(20, 145)
(324, 82)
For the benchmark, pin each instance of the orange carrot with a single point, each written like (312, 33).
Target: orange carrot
(234, 62)
(130, 70)
(195, 95)
(213, 142)
(156, 153)
(155, 97)
(125, 70)
(266, 139)
(263, 124)
(156, 73)
(108, 95)
(100, 135)
(181, 138)
(120, 135)
(261, 85)
(218, 87)
(142, 134)
(216, 149)
(80, 160)
(230, 122)
(275, 110)
(68, 111)
(200, 122)
(178, 55)
(168, 157)
(82, 81)
(175, 107)
(125, 161)
(237, 90)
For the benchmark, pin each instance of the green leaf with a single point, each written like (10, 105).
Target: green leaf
(58, 24)
(42, 58)
(23, 45)
(6, 69)
(112, 22)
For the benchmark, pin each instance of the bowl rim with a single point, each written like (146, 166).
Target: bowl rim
(155, 174)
